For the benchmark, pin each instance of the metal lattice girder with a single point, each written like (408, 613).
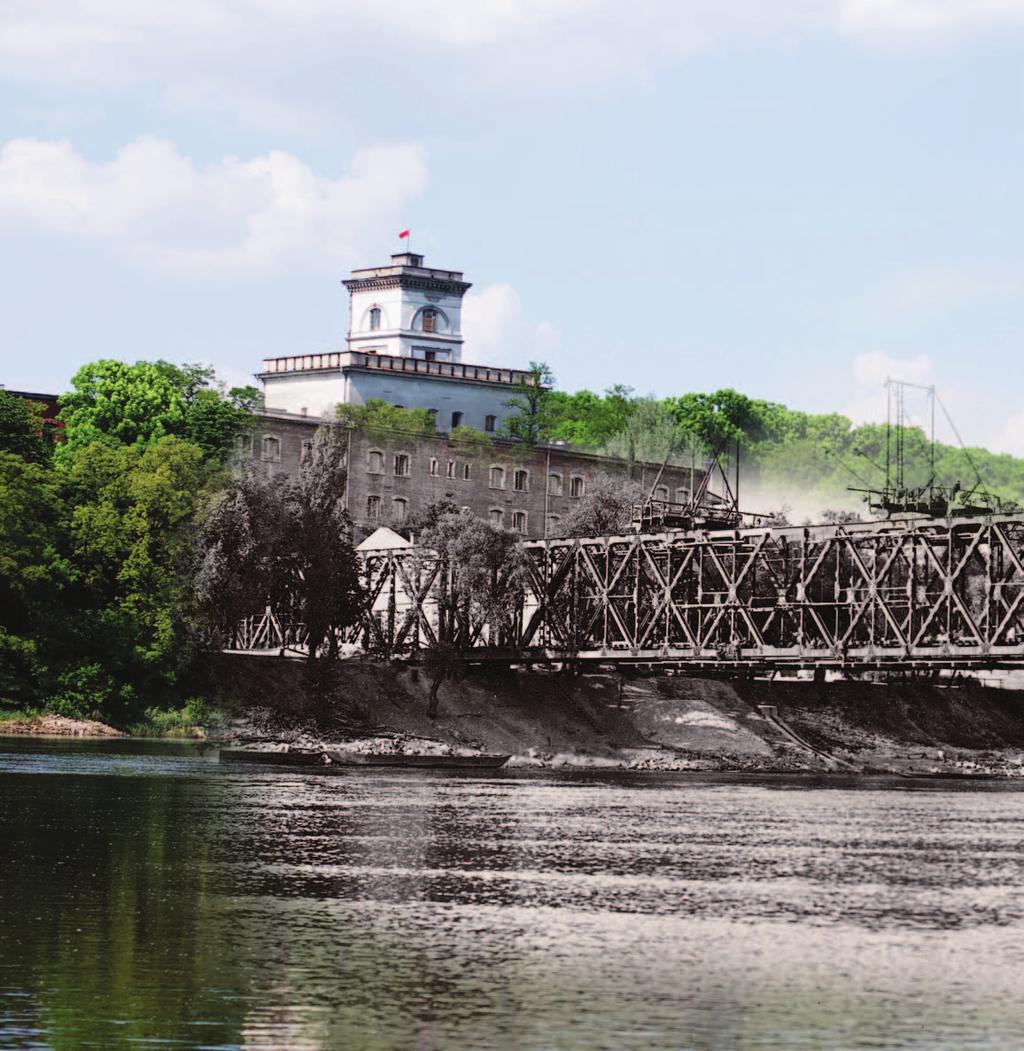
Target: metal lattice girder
(883, 592)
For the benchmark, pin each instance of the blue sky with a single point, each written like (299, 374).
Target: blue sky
(795, 199)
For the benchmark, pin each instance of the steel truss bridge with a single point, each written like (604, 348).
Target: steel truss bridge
(925, 593)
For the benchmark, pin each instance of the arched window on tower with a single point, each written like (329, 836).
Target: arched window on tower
(374, 318)
(429, 319)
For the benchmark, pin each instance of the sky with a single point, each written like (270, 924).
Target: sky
(795, 198)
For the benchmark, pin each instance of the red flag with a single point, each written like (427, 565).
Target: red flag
(404, 233)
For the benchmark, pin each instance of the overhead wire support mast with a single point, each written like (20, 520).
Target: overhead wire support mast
(929, 499)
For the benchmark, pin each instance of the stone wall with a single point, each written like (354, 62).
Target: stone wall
(392, 475)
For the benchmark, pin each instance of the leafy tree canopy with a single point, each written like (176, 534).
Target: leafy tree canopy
(287, 542)
(21, 428)
(118, 403)
(379, 415)
(605, 509)
(531, 420)
(587, 419)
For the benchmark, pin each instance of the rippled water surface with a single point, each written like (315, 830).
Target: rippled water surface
(149, 895)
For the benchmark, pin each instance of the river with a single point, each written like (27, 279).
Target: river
(150, 896)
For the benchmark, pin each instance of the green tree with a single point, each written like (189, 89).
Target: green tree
(651, 434)
(379, 415)
(31, 515)
(587, 419)
(130, 529)
(531, 403)
(22, 429)
(118, 403)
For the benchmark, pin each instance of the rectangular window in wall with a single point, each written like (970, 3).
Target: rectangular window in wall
(466, 472)
(402, 465)
(451, 469)
(490, 424)
(495, 517)
(373, 508)
(399, 506)
(576, 486)
(497, 478)
(555, 484)
(271, 448)
(519, 521)
(434, 468)
(375, 462)
(521, 480)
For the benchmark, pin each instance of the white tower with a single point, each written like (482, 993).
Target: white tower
(406, 310)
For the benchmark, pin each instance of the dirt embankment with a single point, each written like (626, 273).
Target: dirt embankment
(671, 722)
(57, 726)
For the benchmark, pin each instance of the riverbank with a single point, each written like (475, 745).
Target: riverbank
(24, 724)
(659, 722)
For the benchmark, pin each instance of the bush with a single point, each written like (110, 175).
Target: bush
(86, 690)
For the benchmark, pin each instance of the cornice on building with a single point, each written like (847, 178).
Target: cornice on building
(424, 283)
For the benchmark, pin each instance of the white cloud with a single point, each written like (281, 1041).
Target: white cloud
(157, 207)
(946, 286)
(497, 333)
(1009, 438)
(247, 44)
(870, 371)
(902, 21)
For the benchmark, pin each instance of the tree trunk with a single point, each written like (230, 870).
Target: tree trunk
(433, 700)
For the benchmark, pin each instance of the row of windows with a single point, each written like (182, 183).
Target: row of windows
(270, 445)
(270, 449)
(490, 422)
(496, 515)
(496, 477)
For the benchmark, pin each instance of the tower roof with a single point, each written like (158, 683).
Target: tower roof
(406, 270)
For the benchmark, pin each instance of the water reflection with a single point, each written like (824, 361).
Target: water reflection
(154, 897)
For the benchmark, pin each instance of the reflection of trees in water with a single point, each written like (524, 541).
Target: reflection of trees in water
(108, 910)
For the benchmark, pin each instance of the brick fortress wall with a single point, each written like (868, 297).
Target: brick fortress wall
(393, 475)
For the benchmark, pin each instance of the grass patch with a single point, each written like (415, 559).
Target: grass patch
(18, 715)
(194, 720)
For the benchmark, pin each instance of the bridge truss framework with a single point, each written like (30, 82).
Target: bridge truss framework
(921, 593)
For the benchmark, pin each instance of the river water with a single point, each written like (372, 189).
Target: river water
(150, 896)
